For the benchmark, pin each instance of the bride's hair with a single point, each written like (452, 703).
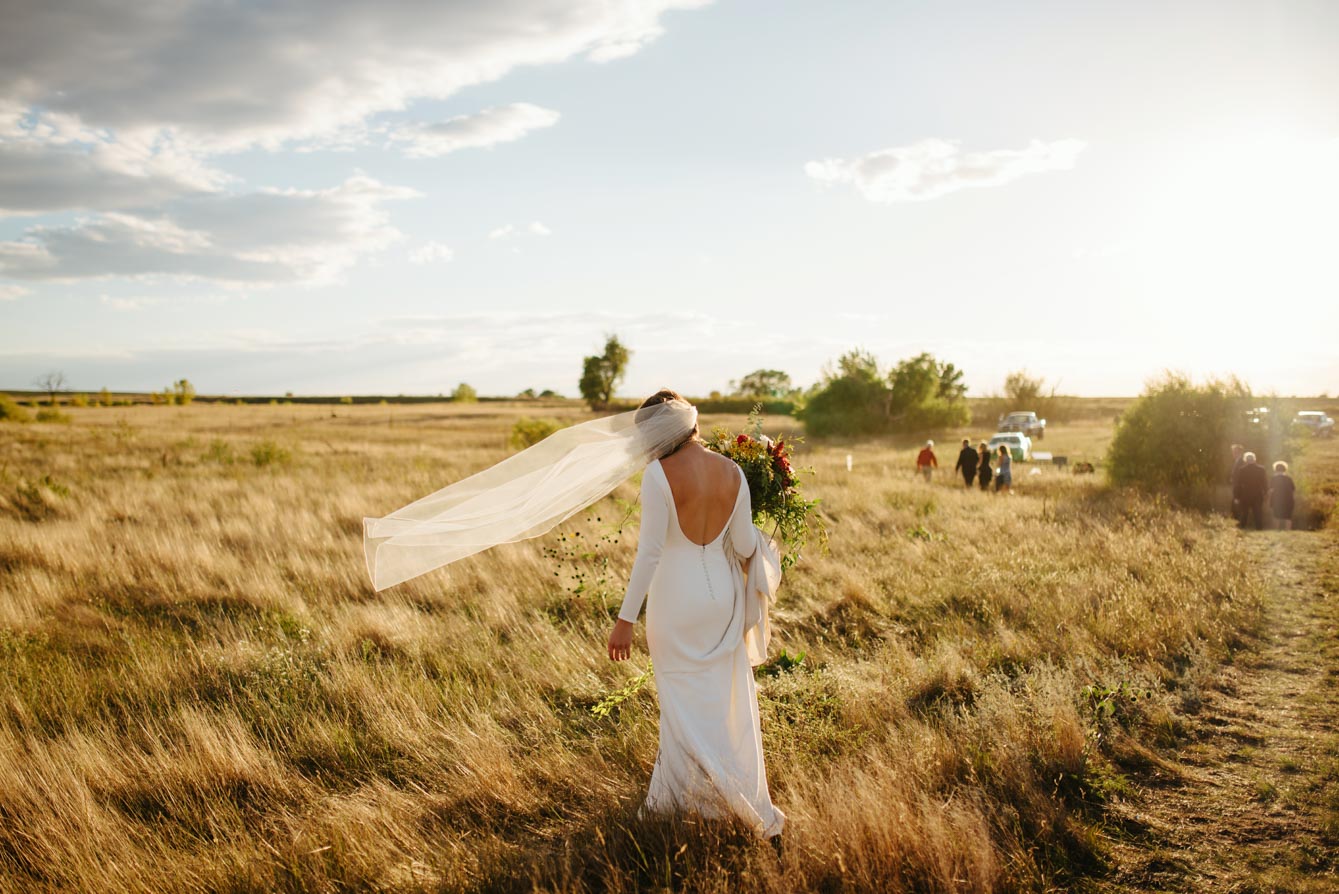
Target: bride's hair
(665, 395)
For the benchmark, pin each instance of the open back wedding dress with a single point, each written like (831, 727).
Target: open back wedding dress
(710, 759)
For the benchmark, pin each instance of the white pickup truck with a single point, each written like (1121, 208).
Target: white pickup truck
(1027, 423)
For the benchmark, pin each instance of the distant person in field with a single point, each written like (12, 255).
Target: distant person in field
(1004, 474)
(1281, 496)
(1238, 452)
(926, 461)
(967, 460)
(983, 471)
(1252, 483)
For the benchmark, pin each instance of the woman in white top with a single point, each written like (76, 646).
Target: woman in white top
(695, 522)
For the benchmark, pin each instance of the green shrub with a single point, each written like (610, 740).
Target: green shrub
(221, 452)
(79, 400)
(48, 414)
(464, 394)
(851, 401)
(1177, 437)
(526, 431)
(919, 394)
(10, 411)
(270, 453)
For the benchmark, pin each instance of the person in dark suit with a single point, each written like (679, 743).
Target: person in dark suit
(1237, 463)
(1252, 483)
(1282, 496)
(967, 459)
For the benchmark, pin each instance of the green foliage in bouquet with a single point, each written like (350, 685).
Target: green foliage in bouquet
(774, 488)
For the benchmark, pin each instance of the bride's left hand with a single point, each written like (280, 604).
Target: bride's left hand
(620, 641)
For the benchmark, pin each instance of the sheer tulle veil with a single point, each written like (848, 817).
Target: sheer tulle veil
(523, 496)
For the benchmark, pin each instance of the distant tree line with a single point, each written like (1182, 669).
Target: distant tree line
(855, 396)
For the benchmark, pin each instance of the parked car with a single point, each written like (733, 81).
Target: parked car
(1316, 422)
(1026, 423)
(1019, 444)
(1258, 416)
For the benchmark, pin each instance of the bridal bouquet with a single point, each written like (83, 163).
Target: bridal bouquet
(774, 487)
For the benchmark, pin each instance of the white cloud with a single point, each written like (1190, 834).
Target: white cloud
(118, 107)
(263, 237)
(10, 292)
(510, 231)
(52, 163)
(502, 124)
(231, 75)
(431, 253)
(932, 168)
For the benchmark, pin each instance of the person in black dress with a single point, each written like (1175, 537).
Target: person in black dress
(1251, 486)
(967, 458)
(983, 472)
(1282, 492)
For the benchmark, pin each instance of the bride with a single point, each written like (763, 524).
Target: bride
(696, 531)
(709, 572)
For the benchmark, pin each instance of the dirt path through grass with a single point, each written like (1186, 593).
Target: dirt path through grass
(1250, 802)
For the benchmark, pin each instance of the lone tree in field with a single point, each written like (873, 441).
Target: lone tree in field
(925, 394)
(464, 394)
(763, 383)
(183, 392)
(51, 383)
(1022, 390)
(602, 373)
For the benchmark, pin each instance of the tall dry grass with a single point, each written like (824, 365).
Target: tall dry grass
(200, 692)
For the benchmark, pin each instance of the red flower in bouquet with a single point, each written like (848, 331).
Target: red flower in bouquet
(773, 489)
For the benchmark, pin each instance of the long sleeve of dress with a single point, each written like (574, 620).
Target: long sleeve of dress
(650, 544)
(743, 540)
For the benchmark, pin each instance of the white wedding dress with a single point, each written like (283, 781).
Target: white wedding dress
(710, 759)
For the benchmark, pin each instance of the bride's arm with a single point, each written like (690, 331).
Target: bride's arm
(650, 544)
(743, 540)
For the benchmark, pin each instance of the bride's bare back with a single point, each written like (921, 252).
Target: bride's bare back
(704, 486)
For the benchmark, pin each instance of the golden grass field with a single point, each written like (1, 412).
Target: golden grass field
(199, 691)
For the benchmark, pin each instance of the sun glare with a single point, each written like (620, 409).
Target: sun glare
(1235, 228)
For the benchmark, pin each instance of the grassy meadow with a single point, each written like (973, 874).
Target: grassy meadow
(199, 691)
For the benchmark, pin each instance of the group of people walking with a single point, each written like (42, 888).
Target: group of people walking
(973, 464)
(1251, 485)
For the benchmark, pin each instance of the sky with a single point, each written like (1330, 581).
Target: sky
(340, 197)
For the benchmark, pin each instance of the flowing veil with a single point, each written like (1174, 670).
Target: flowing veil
(523, 496)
